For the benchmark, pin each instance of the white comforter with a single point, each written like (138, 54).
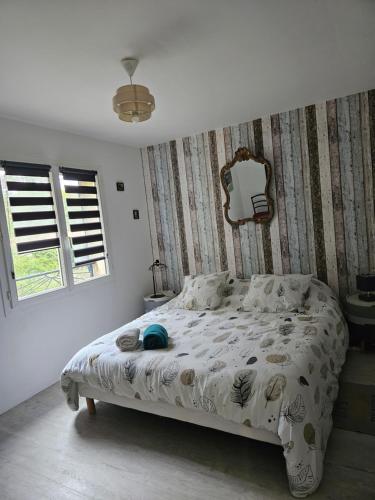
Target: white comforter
(270, 371)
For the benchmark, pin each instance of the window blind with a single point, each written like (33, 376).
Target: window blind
(32, 206)
(84, 216)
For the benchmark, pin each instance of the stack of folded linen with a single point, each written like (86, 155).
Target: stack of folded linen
(128, 340)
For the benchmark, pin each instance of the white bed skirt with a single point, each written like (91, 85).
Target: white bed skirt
(185, 414)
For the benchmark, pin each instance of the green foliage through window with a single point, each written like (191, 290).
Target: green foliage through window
(35, 262)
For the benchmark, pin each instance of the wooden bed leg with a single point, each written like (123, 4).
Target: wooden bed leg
(91, 406)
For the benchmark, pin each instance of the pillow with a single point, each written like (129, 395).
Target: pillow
(271, 293)
(203, 291)
(320, 298)
(234, 294)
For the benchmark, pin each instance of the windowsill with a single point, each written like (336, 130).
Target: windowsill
(39, 294)
(63, 292)
(90, 280)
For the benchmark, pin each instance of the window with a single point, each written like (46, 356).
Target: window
(84, 220)
(32, 227)
(36, 219)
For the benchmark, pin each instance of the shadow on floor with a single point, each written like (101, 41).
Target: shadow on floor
(238, 456)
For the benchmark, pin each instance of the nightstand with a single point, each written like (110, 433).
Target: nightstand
(360, 315)
(151, 302)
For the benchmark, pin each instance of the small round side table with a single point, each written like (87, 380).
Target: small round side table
(151, 302)
(361, 318)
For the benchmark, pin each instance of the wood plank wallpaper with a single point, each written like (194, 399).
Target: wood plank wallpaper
(323, 159)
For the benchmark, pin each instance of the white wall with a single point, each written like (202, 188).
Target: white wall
(37, 340)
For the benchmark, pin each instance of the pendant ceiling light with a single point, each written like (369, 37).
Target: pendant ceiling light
(133, 103)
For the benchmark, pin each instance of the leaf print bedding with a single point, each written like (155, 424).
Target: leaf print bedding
(273, 371)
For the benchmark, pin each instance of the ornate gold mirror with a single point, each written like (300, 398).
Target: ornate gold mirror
(246, 182)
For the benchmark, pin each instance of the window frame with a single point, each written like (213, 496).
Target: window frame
(67, 245)
(5, 275)
(8, 283)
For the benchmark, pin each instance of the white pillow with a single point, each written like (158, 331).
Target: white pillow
(320, 298)
(234, 294)
(271, 293)
(203, 292)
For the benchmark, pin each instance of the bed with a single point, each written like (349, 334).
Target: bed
(266, 376)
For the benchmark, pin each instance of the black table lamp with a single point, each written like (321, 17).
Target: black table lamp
(366, 283)
(156, 266)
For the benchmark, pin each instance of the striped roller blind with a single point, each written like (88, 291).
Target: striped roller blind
(84, 216)
(32, 206)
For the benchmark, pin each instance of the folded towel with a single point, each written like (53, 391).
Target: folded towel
(128, 340)
(155, 337)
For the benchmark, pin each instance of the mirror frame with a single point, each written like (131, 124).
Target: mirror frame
(244, 154)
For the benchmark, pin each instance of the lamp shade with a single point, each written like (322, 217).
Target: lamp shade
(133, 103)
(366, 282)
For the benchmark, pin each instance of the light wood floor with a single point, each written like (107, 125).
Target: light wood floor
(49, 452)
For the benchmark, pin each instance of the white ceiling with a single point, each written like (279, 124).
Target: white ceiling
(209, 63)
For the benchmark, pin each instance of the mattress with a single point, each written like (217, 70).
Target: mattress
(274, 372)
